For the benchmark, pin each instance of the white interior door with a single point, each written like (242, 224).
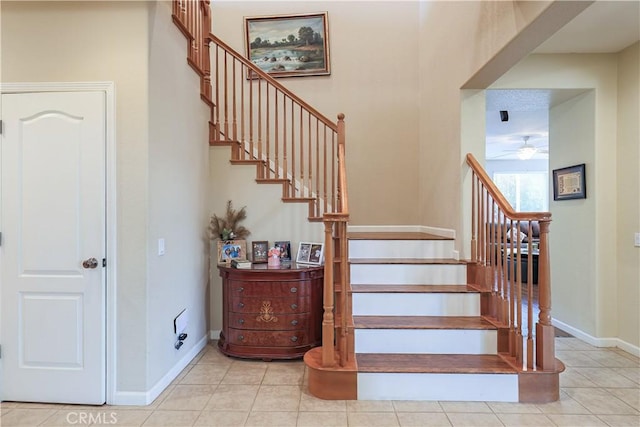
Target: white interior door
(52, 219)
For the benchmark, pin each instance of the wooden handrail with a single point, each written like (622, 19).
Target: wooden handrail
(502, 202)
(263, 75)
(265, 124)
(496, 227)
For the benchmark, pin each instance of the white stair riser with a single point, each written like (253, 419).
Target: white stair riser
(444, 387)
(413, 304)
(401, 248)
(432, 341)
(409, 274)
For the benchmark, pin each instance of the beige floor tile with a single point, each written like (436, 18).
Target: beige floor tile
(632, 373)
(172, 418)
(372, 419)
(215, 356)
(630, 396)
(135, 417)
(576, 358)
(621, 420)
(322, 419)
(599, 401)
(283, 373)
(572, 378)
(221, 419)
(233, 397)
(201, 353)
(205, 374)
(576, 420)
(566, 405)
(36, 405)
(612, 359)
(605, 377)
(4, 405)
(370, 406)
(188, 397)
(423, 419)
(272, 419)
(277, 398)
(25, 417)
(534, 420)
(182, 374)
(416, 406)
(467, 419)
(83, 415)
(245, 373)
(513, 408)
(578, 344)
(309, 403)
(476, 407)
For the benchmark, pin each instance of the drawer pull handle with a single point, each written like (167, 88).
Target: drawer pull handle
(241, 305)
(241, 321)
(294, 338)
(294, 306)
(294, 290)
(241, 337)
(294, 322)
(240, 289)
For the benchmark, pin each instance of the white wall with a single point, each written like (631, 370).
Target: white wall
(100, 41)
(178, 197)
(628, 195)
(593, 132)
(374, 82)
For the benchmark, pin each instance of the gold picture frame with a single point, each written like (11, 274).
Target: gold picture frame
(231, 249)
(288, 45)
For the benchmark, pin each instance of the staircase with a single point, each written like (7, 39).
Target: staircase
(403, 318)
(419, 332)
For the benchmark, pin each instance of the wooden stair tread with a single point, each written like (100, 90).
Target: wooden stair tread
(433, 363)
(247, 161)
(412, 289)
(425, 261)
(298, 199)
(422, 322)
(394, 235)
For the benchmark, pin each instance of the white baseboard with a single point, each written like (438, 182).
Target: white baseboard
(597, 342)
(214, 334)
(443, 232)
(143, 398)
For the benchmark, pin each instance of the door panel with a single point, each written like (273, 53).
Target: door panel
(53, 219)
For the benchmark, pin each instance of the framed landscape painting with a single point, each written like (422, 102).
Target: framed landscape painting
(288, 45)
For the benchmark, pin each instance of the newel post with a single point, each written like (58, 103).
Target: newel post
(545, 344)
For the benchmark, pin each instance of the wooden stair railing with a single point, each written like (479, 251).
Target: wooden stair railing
(291, 144)
(498, 255)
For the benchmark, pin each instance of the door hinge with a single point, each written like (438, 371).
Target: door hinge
(0, 127)
(0, 352)
(0, 238)
(104, 262)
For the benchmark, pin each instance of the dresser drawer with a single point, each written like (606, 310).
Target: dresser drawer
(268, 321)
(267, 338)
(275, 289)
(241, 304)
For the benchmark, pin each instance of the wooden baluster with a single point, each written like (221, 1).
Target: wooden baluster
(518, 273)
(545, 341)
(301, 137)
(345, 353)
(474, 214)
(326, 169)
(267, 136)
(328, 326)
(530, 322)
(234, 104)
(276, 135)
(285, 159)
(217, 103)
(317, 172)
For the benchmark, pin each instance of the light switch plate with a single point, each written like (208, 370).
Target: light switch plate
(161, 247)
(637, 242)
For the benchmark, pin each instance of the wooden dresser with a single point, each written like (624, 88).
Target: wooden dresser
(271, 312)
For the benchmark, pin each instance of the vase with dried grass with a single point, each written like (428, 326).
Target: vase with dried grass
(228, 227)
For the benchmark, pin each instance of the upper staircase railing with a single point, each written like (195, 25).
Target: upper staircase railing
(500, 256)
(290, 142)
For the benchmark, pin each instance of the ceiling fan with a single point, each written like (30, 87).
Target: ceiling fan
(526, 151)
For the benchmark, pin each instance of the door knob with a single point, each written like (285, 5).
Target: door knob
(90, 263)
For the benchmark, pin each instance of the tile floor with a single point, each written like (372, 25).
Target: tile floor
(600, 387)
